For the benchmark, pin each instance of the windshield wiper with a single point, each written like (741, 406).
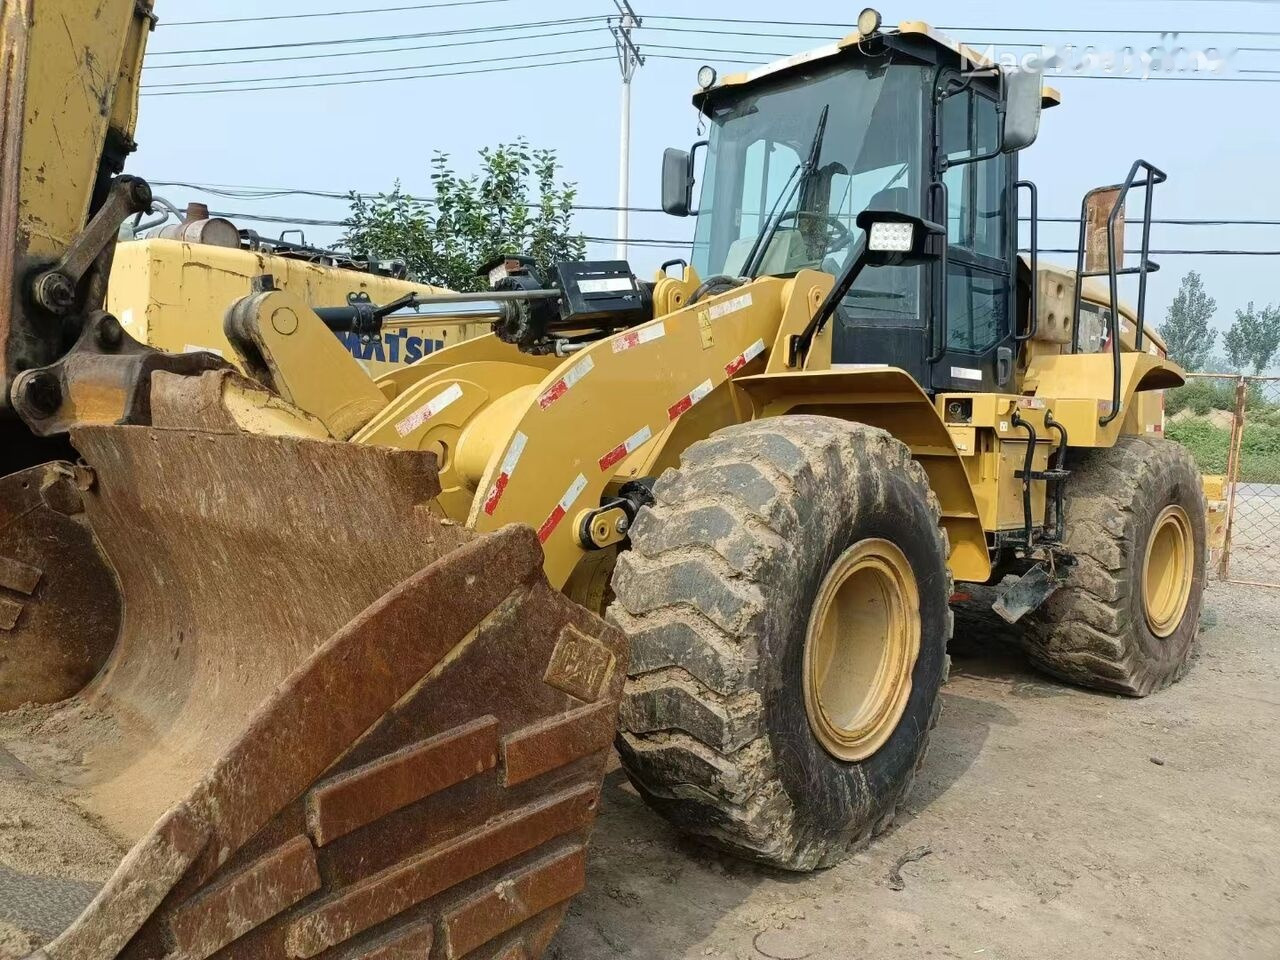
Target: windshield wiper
(769, 230)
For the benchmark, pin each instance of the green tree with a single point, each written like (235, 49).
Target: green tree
(1254, 338)
(1186, 329)
(513, 205)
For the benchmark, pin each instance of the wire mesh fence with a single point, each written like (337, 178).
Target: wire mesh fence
(1231, 424)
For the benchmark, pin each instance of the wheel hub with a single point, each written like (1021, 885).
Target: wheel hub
(861, 648)
(1167, 571)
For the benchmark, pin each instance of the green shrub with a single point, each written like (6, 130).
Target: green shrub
(1211, 447)
(1201, 396)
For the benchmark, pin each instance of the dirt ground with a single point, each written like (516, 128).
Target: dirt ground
(1061, 824)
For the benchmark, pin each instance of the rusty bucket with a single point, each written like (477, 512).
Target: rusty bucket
(270, 705)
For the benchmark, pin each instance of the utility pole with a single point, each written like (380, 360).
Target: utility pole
(629, 59)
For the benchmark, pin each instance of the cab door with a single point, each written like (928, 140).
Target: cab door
(973, 345)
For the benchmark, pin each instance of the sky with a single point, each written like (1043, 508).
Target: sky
(1218, 143)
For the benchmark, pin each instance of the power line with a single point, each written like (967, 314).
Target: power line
(334, 13)
(1049, 77)
(275, 193)
(389, 38)
(348, 83)
(1113, 31)
(245, 192)
(649, 241)
(827, 38)
(352, 73)
(772, 35)
(1180, 253)
(370, 53)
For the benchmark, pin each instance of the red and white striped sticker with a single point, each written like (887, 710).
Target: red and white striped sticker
(741, 360)
(624, 450)
(432, 408)
(567, 382)
(638, 338)
(562, 508)
(504, 475)
(690, 400)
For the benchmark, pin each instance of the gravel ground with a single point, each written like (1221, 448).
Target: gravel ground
(1061, 824)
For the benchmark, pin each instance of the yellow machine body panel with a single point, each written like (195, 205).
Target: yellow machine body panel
(174, 296)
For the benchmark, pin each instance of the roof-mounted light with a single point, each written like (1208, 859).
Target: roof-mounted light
(707, 77)
(869, 21)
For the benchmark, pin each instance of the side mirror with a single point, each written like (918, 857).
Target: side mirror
(1022, 106)
(899, 239)
(679, 174)
(677, 182)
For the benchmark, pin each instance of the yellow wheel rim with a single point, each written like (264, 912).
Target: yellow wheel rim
(861, 648)
(1167, 570)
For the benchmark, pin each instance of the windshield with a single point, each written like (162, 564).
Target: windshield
(759, 182)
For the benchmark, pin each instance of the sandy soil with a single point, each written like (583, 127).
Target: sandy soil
(1062, 824)
(53, 855)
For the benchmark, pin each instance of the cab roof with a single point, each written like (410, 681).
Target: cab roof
(913, 28)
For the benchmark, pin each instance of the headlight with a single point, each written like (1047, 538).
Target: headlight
(707, 77)
(869, 22)
(892, 238)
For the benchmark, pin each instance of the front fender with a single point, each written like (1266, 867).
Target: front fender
(891, 400)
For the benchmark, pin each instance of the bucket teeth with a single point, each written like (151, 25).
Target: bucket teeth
(330, 724)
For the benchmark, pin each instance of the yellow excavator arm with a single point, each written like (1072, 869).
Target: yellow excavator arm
(69, 87)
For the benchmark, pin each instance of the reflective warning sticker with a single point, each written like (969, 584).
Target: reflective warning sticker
(567, 382)
(624, 450)
(562, 508)
(965, 373)
(505, 473)
(741, 360)
(690, 400)
(607, 285)
(432, 408)
(638, 338)
(729, 306)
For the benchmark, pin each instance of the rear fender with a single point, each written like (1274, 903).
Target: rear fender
(1078, 388)
(891, 400)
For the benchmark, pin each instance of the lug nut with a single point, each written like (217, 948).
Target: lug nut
(56, 293)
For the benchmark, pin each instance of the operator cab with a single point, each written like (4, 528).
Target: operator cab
(898, 123)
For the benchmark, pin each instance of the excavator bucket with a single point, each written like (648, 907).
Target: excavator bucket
(274, 707)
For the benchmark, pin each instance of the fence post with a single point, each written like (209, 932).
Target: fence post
(1233, 472)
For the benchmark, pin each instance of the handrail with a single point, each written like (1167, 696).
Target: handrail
(1154, 177)
(938, 318)
(1033, 321)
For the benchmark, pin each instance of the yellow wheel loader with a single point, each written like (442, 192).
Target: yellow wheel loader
(313, 666)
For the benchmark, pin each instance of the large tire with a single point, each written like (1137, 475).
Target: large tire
(715, 596)
(1095, 631)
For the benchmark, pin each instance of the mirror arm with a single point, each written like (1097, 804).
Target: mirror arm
(798, 348)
